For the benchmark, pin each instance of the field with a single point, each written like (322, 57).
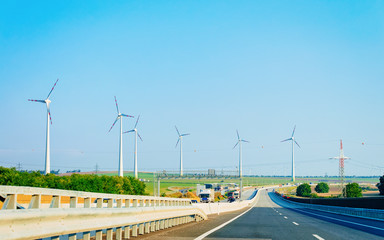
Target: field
(169, 186)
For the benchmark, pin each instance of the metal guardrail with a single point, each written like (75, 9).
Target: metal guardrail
(117, 215)
(375, 214)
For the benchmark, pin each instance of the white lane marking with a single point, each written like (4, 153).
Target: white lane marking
(295, 223)
(318, 237)
(285, 217)
(280, 214)
(224, 224)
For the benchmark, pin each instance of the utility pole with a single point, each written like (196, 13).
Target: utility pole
(96, 168)
(19, 167)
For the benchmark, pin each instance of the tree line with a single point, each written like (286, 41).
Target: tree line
(88, 183)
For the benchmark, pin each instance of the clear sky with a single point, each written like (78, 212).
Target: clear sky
(209, 67)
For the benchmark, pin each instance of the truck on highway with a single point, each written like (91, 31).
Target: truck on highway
(233, 194)
(207, 195)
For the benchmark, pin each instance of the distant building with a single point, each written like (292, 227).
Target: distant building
(211, 172)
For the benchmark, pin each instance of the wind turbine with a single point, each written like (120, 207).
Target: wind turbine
(292, 138)
(119, 117)
(136, 134)
(47, 146)
(239, 141)
(180, 139)
(341, 159)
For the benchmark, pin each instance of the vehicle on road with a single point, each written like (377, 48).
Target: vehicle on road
(231, 199)
(207, 195)
(234, 194)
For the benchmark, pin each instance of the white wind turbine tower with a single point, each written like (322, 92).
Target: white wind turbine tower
(119, 116)
(292, 138)
(47, 146)
(136, 135)
(180, 139)
(341, 159)
(239, 141)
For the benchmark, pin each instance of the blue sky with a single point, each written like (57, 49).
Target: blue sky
(209, 67)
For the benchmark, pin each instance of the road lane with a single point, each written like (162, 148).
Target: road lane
(268, 220)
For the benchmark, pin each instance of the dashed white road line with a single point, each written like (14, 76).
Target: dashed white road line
(318, 237)
(280, 214)
(285, 217)
(295, 223)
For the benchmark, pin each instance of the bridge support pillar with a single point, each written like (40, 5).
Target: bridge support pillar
(119, 233)
(141, 228)
(87, 202)
(10, 202)
(55, 202)
(127, 231)
(72, 236)
(134, 230)
(35, 201)
(73, 202)
(99, 235)
(109, 233)
(86, 235)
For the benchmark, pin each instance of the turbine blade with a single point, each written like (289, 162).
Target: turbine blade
(294, 128)
(177, 142)
(185, 134)
(128, 131)
(244, 141)
(238, 137)
(235, 145)
(125, 115)
(139, 137)
(117, 106)
(178, 133)
(297, 144)
(33, 100)
(49, 94)
(113, 124)
(137, 121)
(286, 140)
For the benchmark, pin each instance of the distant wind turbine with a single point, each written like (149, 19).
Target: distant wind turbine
(239, 141)
(119, 116)
(292, 138)
(135, 154)
(47, 146)
(180, 139)
(341, 159)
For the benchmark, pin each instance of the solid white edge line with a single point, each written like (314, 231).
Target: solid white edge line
(295, 223)
(224, 224)
(318, 237)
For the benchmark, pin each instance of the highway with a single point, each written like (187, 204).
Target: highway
(268, 220)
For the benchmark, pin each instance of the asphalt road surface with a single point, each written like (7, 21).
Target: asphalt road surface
(272, 218)
(268, 220)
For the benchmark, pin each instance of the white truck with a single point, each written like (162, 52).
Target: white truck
(207, 195)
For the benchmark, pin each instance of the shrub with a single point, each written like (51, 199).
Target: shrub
(304, 190)
(314, 195)
(88, 183)
(380, 185)
(322, 188)
(353, 190)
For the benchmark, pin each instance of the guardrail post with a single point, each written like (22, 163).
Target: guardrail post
(110, 203)
(161, 224)
(73, 202)
(127, 230)
(55, 238)
(134, 230)
(72, 236)
(141, 202)
(141, 228)
(10, 202)
(86, 235)
(99, 202)
(147, 202)
(109, 233)
(135, 202)
(35, 201)
(99, 235)
(87, 202)
(119, 233)
(166, 223)
(127, 203)
(119, 203)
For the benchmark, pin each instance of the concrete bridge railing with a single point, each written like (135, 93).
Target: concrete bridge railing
(77, 214)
